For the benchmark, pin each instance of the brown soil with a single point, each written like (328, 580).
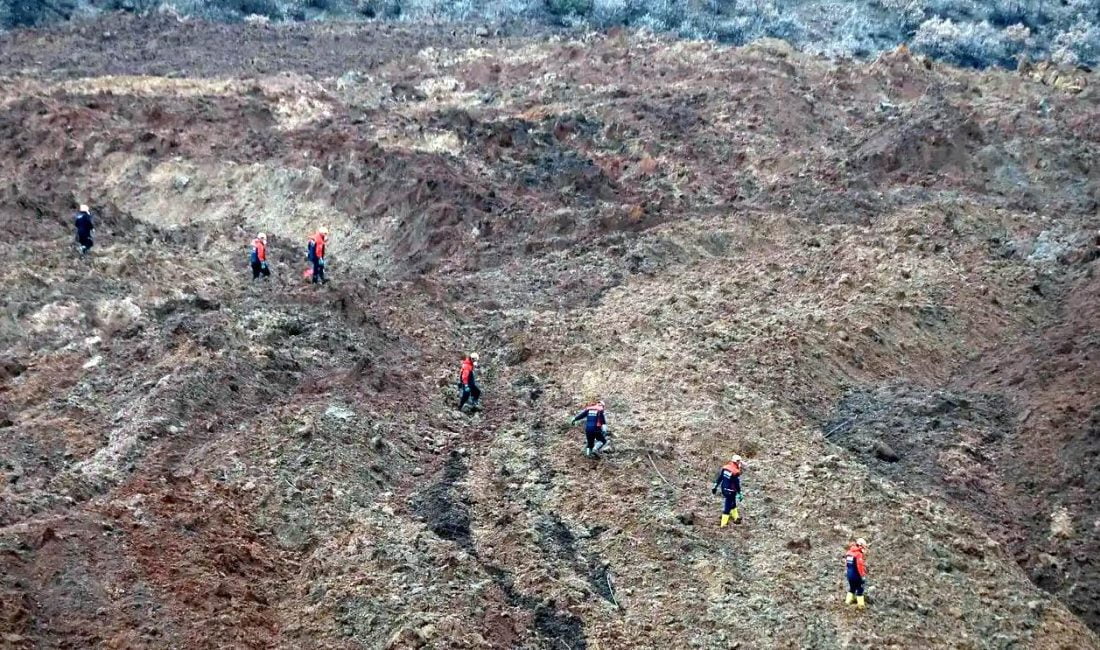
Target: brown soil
(875, 281)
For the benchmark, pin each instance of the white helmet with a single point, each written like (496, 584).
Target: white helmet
(473, 356)
(736, 458)
(84, 207)
(261, 236)
(861, 542)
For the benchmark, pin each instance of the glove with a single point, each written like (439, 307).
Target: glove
(714, 490)
(321, 262)
(263, 265)
(740, 496)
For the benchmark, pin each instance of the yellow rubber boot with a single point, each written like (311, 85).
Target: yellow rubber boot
(725, 520)
(736, 516)
(850, 598)
(860, 603)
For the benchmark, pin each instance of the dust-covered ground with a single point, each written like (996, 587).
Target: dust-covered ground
(876, 281)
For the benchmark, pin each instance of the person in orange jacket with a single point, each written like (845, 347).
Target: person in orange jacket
(259, 257)
(315, 253)
(856, 571)
(729, 479)
(467, 383)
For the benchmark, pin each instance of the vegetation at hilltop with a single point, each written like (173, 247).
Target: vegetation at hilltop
(969, 33)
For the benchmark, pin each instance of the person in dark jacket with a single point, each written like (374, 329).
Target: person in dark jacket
(595, 427)
(85, 228)
(729, 480)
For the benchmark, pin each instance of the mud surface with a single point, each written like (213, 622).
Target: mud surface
(875, 281)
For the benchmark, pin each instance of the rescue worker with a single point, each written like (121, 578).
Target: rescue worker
(729, 479)
(259, 257)
(84, 229)
(595, 427)
(856, 571)
(467, 383)
(316, 254)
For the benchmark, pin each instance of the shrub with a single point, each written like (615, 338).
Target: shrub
(755, 20)
(1029, 13)
(1078, 45)
(259, 8)
(30, 13)
(379, 8)
(132, 6)
(569, 7)
(970, 45)
(608, 13)
(669, 13)
(456, 10)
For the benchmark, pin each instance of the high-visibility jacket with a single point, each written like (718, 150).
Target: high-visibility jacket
(316, 247)
(466, 374)
(594, 417)
(729, 477)
(259, 251)
(853, 562)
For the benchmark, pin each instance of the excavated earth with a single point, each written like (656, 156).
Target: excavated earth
(877, 281)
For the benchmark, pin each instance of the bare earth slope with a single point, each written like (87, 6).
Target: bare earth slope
(875, 281)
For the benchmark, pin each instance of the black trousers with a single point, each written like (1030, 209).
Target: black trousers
(731, 501)
(318, 272)
(855, 583)
(260, 269)
(468, 392)
(592, 436)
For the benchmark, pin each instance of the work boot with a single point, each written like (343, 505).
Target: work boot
(736, 516)
(850, 598)
(725, 521)
(861, 603)
(600, 446)
(588, 452)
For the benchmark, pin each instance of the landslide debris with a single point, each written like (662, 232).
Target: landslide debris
(874, 281)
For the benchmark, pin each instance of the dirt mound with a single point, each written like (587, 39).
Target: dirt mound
(932, 146)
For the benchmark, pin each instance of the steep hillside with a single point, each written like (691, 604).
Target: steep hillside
(876, 281)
